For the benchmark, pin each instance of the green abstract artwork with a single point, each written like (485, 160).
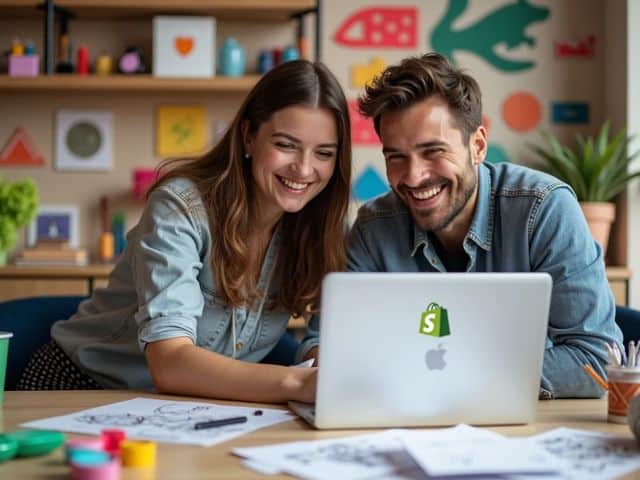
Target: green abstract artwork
(505, 26)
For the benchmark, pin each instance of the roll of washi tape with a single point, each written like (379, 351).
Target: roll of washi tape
(112, 440)
(36, 442)
(8, 448)
(138, 454)
(73, 444)
(90, 465)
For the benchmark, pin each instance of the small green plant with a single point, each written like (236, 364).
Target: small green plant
(597, 168)
(18, 205)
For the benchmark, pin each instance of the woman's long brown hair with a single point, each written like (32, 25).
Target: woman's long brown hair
(313, 239)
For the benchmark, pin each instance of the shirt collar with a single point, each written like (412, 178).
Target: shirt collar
(481, 230)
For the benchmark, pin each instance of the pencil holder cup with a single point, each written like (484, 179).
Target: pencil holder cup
(633, 417)
(624, 386)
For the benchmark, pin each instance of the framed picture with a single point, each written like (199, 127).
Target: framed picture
(184, 46)
(55, 223)
(181, 130)
(84, 140)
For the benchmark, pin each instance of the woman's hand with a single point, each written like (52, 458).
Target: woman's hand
(313, 353)
(300, 383)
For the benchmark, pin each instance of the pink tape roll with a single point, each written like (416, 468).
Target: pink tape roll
(105, 471)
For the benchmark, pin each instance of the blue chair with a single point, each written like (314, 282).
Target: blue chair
(30, 320)
(628, 320)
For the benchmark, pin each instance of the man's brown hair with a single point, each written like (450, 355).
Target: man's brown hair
(417, 78)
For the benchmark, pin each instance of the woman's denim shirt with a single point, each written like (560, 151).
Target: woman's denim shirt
(163, 287)
(524, 221)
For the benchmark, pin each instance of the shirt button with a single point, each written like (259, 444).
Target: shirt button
(434, 260)
(239, 345)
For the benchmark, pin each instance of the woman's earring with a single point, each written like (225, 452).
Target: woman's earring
(247, 156)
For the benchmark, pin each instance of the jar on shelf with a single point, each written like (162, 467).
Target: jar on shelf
(232, 58)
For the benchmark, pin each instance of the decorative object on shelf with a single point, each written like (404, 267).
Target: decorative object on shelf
(232, 58)
(106, 248)
(104, 64)
(20, 151)
(54, 224)
(301, 31)
(265, 61)
(143, 178)
(23, 60)
(132, 61)
(83, 140)
(118, 231)
(53, 253)
(597, 169)
(290, 53)
(18, 205)
(184, 46)
(64, 64)
(82, 61)
(181, 130)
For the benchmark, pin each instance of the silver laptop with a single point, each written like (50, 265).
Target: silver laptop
(422, 349)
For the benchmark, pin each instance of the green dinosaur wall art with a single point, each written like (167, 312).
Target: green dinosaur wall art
(504, 25)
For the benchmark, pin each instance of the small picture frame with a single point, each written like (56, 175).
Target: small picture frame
(54, 223)
(84, 140)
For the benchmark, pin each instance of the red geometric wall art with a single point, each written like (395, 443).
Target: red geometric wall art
(385, 27)
(20, 151)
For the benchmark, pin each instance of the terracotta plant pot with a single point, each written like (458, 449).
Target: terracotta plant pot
(600, 216)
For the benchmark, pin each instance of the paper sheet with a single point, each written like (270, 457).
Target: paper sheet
(473, 451)
(364, 456)
(585, 455)
(164, 421)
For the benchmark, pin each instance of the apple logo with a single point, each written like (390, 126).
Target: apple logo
(435, 358)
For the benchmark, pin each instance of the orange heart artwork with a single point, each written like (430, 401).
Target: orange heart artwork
(184, 45)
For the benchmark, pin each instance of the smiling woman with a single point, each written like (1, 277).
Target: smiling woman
(230, 245)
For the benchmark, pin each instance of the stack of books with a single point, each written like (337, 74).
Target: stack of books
(53, 253)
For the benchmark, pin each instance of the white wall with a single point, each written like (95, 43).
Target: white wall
(633, 123)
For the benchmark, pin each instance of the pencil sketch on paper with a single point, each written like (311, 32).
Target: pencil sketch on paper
(589, 453)
(164, 421)
(170, 416)
(366, 454)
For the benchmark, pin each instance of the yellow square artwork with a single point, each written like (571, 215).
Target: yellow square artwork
(180, 130)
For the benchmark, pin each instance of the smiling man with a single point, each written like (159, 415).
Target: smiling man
(450, 212)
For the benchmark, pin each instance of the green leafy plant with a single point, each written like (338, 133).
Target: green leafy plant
(596, 169)
(18, 205)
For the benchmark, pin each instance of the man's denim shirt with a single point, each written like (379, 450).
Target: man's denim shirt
(525, 221)
(163, 287)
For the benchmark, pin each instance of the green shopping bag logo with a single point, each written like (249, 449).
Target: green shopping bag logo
(434, 321)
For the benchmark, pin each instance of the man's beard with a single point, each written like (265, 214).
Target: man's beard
(468, 185)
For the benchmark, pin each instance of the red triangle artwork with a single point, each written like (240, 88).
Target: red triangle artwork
(20, 151)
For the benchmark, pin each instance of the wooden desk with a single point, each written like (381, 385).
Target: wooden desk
(189, 462)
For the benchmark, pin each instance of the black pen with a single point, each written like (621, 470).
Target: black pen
(219, 423)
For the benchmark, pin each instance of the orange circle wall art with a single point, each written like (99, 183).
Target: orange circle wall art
(521, 111)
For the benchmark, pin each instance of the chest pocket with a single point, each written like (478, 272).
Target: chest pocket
(212, 322)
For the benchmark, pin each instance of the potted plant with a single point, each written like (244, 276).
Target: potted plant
(597, 169)
(18, 205)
